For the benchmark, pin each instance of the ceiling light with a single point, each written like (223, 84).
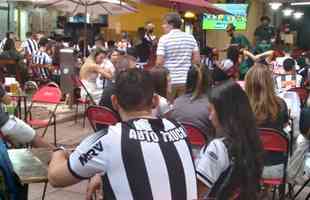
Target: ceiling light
(300, 3)
(275, 5)
(288, 12)
(298, 15)
(189, 14)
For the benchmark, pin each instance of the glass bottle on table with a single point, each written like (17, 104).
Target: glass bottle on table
(10, 109)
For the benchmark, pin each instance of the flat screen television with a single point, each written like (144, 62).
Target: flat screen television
(237, 15)
(80, 19)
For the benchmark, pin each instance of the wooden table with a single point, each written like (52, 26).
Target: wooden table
(30, 165)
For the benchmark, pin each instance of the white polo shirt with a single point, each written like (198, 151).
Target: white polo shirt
(177, 48)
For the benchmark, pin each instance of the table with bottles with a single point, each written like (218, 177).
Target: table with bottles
(19, 97)
(16, 107)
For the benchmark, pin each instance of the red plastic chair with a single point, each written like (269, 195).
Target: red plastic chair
(47, 95)
(195, 135)
(302, 93)
(274, 141)
(101, 115)
(52, 84)
(81, 101)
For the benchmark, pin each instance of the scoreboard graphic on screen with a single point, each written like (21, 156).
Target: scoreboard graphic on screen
(237, 16)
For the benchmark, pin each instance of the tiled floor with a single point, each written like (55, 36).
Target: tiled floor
(67, 133)
(76, 192)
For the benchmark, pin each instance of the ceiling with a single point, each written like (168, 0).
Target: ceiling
(286, 1)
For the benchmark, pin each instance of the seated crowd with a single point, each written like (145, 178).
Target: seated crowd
(148, 154)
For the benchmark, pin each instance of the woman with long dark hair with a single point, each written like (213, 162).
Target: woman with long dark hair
(235, 152)
(192, 106)
(227, 68)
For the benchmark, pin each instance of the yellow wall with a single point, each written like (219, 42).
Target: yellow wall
(130, 22)
(219, 39)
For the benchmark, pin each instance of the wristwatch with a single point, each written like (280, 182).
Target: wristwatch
(60, 148)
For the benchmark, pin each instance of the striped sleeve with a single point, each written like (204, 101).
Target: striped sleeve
(196, 48)
(90, 157)
(47, 59)
(161, 46)
(212, 162)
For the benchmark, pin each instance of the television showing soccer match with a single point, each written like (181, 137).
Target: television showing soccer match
(236, 14)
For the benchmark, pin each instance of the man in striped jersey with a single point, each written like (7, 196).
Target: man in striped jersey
(30, 45)
(290, 79)
(41, 58)
(141, 158)
(176, 51)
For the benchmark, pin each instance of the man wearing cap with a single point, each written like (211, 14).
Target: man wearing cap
(237, 39)
(242, 42)
(265, 32)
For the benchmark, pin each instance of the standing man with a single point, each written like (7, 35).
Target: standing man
(237, 39)
(41, 57)
(242, 42)
(176, 51)
(31, 44)
(149, 33)
(140, 158)
(265, 32)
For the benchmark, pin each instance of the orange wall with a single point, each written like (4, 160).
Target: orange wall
(219, 39)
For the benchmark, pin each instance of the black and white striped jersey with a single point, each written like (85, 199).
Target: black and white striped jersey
(30, 46)
(2, 43)
(42, 58)
(142, 159)
(288, 81)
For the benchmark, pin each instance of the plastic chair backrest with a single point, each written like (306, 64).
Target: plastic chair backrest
(7, 171)
(302, 93)
(52, 84)
(89, 96)
(101, 115)
(47, 94)
(273, 140)
(194, 134)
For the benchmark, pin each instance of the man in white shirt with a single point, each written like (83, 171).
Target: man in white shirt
(176, 51)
